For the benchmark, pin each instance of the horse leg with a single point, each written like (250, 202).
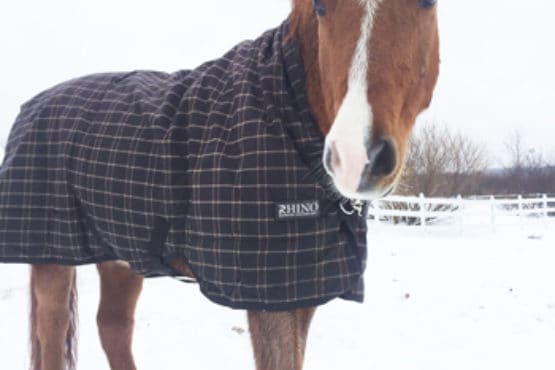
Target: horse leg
(279, 338)
(53, 298)
(119, 291)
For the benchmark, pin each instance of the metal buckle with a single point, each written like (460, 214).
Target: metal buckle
(356, 205)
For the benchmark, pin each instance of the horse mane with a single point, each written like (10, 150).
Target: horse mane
(294, 17)
(299, 9)
(303, 27)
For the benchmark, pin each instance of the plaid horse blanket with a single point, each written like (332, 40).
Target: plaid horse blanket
(215, 165)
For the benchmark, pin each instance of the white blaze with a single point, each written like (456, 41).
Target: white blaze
(351, 127)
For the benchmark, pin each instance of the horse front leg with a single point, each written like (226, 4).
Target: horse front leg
(52, 332)
(279, 338)
(119, 291)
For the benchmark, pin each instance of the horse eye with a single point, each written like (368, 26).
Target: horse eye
(427, 3)
(319, 7)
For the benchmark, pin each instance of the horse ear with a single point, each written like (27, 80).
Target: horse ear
(319, 7)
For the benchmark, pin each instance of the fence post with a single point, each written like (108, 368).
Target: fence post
(422, 211)
(459, 213)
(520, 217)
(492, 211)
(376, 208)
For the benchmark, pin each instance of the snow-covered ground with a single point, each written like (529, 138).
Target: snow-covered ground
(433, 302)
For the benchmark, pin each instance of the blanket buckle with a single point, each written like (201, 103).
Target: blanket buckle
(352, 206)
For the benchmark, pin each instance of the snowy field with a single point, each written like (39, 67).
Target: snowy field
(434, 302)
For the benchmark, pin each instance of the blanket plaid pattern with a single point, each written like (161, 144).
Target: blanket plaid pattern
(147, 166)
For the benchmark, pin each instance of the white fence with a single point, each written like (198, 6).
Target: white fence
(462, 213)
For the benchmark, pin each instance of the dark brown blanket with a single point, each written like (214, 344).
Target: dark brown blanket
(215, 165)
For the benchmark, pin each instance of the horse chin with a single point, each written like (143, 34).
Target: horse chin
(369, 193)
(373, 194)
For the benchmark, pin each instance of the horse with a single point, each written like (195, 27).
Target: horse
(370, 68)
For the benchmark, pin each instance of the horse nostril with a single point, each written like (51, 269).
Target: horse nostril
(383, 158)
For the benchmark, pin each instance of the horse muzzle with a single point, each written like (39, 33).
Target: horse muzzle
(362, 172)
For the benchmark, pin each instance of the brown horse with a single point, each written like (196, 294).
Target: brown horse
(371, 67)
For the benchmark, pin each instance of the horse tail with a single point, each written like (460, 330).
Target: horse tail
(71, 336)
(33, 337)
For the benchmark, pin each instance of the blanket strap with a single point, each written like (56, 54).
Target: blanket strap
(159, 233)
(351, 215)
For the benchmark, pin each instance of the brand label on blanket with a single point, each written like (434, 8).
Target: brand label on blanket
(291, 210)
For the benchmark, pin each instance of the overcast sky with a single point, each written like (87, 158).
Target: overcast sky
(497, 73)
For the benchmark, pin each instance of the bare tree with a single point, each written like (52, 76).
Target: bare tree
(528, 171)
(426, 160)
(440, 163)
(467, 162)
(515, 147)
(515, 171)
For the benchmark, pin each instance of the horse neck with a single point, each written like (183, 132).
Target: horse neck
(305, 30)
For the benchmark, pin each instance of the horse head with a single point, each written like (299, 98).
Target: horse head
(371, 66)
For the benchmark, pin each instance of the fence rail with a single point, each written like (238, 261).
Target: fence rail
(482, 211)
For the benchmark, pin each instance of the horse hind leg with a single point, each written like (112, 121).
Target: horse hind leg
(279, 338)
(53, 317)
(119, 291)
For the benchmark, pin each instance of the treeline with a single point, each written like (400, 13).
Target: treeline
(523, 181)
(441, 163)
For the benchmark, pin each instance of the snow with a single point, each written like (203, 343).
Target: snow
(434, 301)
